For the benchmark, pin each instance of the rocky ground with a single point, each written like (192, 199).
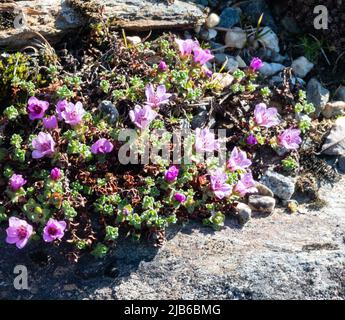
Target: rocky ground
(283, 256)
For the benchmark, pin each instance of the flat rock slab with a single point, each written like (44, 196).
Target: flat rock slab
(51, 18)
(153, 14)
(55, 18)
(283, 256)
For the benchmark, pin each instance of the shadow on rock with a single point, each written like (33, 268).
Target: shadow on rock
(52, 276)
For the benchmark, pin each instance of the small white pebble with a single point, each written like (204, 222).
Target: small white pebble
(133, 40)
(212, 20)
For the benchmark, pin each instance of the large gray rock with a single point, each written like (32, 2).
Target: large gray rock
(318, 95)
(51, 18)
(282, 186)
(54, 18)
(152, 14)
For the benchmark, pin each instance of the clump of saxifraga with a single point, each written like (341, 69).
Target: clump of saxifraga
(66, 183)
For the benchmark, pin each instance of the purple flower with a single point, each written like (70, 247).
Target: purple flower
(251, 140)
(290, 139)
(155, 99)
(266, 117)
(102, 146)
(162, 66)
(207, 72)
(186, 46)
(245, 185)
(171, 174)
(219, 186)
(37, 108)
(50, 123)
(18, 232)
(16, 182)
(238, 160)
(205, 141)
(43, 145)
(142, 116)
(55, 174)
(53, 230)
(180, 197)
(256, 64)
(202, 56)
(60, 107)
(73, 113)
